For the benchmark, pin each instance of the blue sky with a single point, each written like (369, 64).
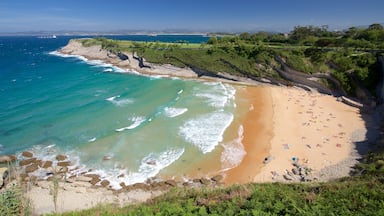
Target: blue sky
(197, 15)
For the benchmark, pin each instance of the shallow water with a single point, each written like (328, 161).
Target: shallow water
(144, 125)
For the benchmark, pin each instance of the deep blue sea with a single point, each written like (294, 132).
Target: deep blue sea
(145, 126)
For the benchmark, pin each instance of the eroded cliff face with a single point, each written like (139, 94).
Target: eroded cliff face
(75, 47)
(124, 60)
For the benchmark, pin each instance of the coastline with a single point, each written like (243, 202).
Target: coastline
(131, 65)
(280, 124)
(256, 137)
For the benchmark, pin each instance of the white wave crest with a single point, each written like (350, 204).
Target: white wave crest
(234, 151)
(173, 111)
(137, 121)
(150, 166)
(93, 139)
(218, 95)
(56, 53)
(206, 131)
(120, 102)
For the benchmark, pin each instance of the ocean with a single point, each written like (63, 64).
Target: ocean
(124, 126)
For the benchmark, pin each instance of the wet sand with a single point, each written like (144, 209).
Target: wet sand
(258, 132)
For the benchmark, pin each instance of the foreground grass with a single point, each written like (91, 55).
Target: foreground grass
(12, 202)
(353, 196)
(357, 195)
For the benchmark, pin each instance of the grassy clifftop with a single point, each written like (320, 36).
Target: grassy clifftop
(349, 57)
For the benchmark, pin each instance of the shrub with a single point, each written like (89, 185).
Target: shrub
(12, 202)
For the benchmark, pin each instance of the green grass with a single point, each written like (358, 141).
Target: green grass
(12, 202)
(353, 196)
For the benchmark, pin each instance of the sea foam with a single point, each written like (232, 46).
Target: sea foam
(218, 95)
(149, 167)
(174, 112)
(206, 131)
(137, 121)
(234, 151)
(120, 102)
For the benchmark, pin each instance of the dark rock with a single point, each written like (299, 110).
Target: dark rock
(27, 161)
(141, 186)
(196, 181)
(104, 183)
(46, 164)
(295, 171)
(205, 181)
(186, 184)
(61, 157)
(122, 184)
(31, 168)
(122, 56)
(172, 183)
(121, 175)
(158, 186)
(7, 158)
(217, 178)
(95, 178)
(287, 177)
(64, 163)
(27, 154)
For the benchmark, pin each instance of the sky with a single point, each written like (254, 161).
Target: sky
(192, 15)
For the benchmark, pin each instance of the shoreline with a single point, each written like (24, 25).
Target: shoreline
(251, 135)
(131, 65)
(280, 123)
(256, 137)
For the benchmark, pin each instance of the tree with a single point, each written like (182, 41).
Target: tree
(375, 26)
(212, 40)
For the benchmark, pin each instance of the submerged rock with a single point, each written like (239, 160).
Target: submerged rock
(27, 161)
(46, 164)
(27, 154)
(64, 163)
(61, 157)
(31, 168)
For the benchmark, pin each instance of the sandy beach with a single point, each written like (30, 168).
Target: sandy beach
(283, 126)
(311, 130)
(286, 126)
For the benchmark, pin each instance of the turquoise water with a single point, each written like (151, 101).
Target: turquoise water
(92, 111)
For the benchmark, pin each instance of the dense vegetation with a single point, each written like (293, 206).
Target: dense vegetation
(349, 56)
